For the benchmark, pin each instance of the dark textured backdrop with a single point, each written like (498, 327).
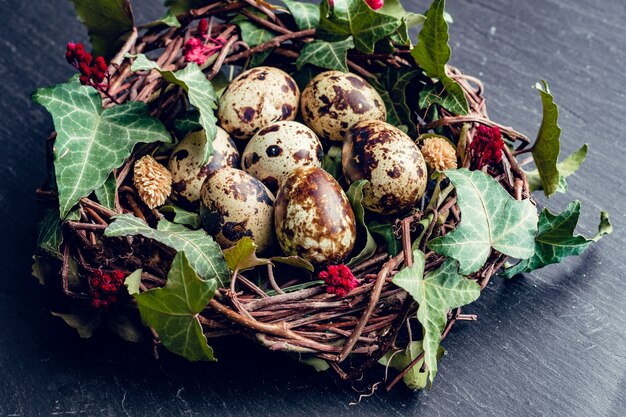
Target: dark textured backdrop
(552, 343)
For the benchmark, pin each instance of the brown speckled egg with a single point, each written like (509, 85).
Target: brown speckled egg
(234, 204)
(186, 167)
(313, 216)
(390, 161)
(333, 101)
(277, 149)
(256, 98)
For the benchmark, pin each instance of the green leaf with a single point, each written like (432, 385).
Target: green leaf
(547, 146)
(355, 18)
(556, 240)
(437, 293)
(168, 19)
(414, 379)
(254, 35)
(294, 261)
(182, 216)
(566, 167)
(368, 246)
(199, 91)
(329, 55)
(107, 21)
(85, 324)
(122, 324)
(490, 218)
(306, 15)
(133, 282)
(50, 233)
(106, 193)
(432, 53)
(384, 228)
(394, 8)
(173, 311)
(393, 83)
(203, 253)
(242, 256)
(332, 162)
(91, 141)
(178, 7)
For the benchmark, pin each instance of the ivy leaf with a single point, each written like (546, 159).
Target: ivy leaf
(490, 218)
(294, 261)
(414, 379)
(355, 18)
(242, 256)
(199, 91)
(172, 311)
(50, 233)
(566, 167)
(168, 19)
(182, 216)
(384, 228)
(106, 193)
(203, 253)
(91, 141)
(122, 324)
(556, 240)
(437, 293)
(254, 35)
(84, 324)
(329, 55)
(332, 163)
(546, 149)
(393, 84)
(355, 195)
(306, 15)
(432, 53)
(107, 21)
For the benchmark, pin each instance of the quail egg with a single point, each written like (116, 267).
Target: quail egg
(389, 160)
(333, 101)
(234, 204)
(277, 149)
(256, 98)
(314, 219)
(186, 167)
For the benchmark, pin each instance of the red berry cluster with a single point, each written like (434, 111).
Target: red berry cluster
(486, 148)
(104, 287)
(93, 72)
(339, 280)
(199, 49)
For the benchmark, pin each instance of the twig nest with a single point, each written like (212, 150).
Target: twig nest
(234, 204)
(152, 180)
(439, 153)
(277, 149)
(314, 218)
(256, 98)
(392, 163)
(333, 101)
(186, 167)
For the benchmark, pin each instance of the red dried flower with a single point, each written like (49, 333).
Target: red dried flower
(93, 72)
(339, 280)
(196, 51)
(104, 287)
(375, 4)
(486, 148)
(203, 28)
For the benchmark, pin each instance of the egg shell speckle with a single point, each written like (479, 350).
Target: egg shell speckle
(333, 101)
(277, 149)
(186, 167)
(314, 218)
(256, 98)
(391, 162)
(234, 204)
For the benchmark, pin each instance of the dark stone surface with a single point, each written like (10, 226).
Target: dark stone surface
(552, 343)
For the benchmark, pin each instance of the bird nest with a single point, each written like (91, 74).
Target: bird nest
(281, 308)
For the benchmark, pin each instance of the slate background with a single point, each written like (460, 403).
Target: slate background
(552, 343)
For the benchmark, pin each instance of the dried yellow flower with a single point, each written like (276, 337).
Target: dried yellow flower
(439, 153)
(152, 180)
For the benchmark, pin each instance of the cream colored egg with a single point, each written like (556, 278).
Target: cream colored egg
(234, 204)
(333, 101)
(186, 167)
(390, 161)
(277, 149)
(256, 98)
(314, 218)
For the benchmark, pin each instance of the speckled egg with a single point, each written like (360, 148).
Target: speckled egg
(256, 98)
(186, 167)
(390, 161)
(333, 101)
(314, 219)
(277, 149)
(234, 204)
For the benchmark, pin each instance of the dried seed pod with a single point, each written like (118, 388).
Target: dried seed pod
(439, 153)
(152, 180)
